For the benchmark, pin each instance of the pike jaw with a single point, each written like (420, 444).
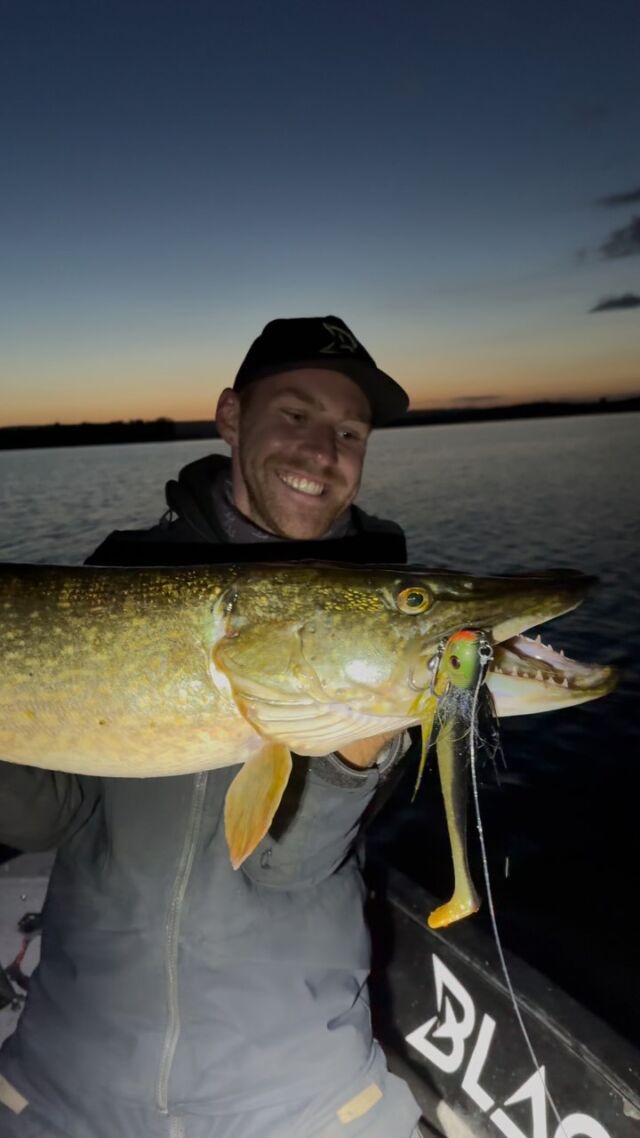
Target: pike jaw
(528, 676)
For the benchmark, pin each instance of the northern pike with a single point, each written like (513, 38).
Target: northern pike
(165, 671)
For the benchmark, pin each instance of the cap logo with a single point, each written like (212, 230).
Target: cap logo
(341, 341)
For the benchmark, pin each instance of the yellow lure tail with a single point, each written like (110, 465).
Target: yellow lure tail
(464, 900)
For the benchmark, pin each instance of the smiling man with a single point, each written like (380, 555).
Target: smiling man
(297, 419)
(298, 442)
(177, 997)
(299, 436)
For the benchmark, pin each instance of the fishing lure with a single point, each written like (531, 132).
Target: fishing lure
(457, 700)
(459, 670)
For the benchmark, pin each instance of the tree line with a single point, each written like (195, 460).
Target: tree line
(88, 434)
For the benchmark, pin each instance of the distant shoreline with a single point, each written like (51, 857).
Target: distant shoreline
(167, 430)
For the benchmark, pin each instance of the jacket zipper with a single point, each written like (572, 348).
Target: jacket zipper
(174, 918)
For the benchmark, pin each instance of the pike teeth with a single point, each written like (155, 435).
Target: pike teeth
(539, 676)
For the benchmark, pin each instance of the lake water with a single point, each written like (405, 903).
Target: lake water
(562, 829)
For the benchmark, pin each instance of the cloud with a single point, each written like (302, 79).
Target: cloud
(623, 242)
(627, 198)
(612, 303)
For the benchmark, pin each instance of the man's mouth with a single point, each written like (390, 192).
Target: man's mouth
(301, 483)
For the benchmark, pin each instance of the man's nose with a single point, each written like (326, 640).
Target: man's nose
(320, 443)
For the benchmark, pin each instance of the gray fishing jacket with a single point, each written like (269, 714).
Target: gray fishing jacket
(168, 982)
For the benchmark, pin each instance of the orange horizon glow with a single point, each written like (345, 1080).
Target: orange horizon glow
(202, 408)
(181, 380)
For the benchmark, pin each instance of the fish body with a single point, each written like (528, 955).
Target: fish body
(108, 672)
(147, 672)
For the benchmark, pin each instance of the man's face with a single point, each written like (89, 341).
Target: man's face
(298, 442)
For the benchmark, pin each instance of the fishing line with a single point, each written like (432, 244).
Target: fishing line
(492, 912)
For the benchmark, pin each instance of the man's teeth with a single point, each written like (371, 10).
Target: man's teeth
(304, 485)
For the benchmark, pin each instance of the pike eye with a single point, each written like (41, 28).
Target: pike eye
(413, 600)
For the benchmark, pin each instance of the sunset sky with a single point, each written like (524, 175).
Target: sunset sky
(460, 181)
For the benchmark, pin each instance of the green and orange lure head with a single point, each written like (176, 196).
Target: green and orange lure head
(464, 659)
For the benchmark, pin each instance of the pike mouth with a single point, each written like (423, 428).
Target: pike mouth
(530, 671)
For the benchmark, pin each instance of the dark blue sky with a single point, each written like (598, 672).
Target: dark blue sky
(175, 174)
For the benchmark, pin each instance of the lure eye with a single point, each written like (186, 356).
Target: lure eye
(413, 600)
(455, 662)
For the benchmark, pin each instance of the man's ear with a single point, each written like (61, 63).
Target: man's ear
(228, 416)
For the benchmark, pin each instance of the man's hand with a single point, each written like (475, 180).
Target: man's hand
(364, 752)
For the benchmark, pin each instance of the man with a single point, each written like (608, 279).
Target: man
(176, 997)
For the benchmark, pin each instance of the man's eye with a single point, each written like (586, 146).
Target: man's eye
(350, 435)
(294, 416)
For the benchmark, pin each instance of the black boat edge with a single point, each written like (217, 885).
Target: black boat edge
(444, 1014)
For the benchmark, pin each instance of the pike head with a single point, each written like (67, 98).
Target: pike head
(319, 655)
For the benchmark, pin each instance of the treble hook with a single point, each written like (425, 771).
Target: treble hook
(434, 666)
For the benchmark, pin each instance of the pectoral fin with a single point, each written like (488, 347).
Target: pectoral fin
(253, 798)
(426, 725)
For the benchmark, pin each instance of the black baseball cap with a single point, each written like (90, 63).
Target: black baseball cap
(322, 342)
